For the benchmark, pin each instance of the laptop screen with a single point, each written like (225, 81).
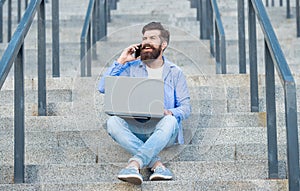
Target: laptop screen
(134, 97)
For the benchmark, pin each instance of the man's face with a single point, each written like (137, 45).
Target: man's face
(151, 46)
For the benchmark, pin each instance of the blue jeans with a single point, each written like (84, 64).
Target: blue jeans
(144, 147)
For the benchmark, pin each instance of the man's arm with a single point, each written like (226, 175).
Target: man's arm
(182, 108)
(119, 66)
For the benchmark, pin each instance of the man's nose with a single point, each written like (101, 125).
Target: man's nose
(146, 41)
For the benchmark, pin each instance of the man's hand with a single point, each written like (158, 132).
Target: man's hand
(126, 55)
(167, 112)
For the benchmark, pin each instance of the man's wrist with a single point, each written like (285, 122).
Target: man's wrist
(121, 61)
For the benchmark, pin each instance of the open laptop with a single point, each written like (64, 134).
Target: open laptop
(133, 97)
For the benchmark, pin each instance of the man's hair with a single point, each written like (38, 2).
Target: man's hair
(164, 33)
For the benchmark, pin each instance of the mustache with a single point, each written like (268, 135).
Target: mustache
(147, 45)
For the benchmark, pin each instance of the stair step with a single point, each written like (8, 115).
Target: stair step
(95, 173)
(226, 145)
(113, 153)
(31, 109)
(184, 185)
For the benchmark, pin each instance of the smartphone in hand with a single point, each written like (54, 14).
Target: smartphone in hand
(137, 52)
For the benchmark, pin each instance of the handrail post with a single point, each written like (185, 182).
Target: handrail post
(95, 22)
(292, 135)
(193, 3)
(42, 108)
(223, 54)
(55, 39)
(89, 52)
(298, 18)
(19, 118)
(89, 37)
(103, 19)
(204, 19)
(271, 114)
(113, 4)
(241, 37)
(211, 28)
(108, 11)
(288, 9)
(9, 12)
(82, 57)
(98, 4)
(253, 58)
(217, 40)
(216, 33)
(1, 21)
(19, 10)
(198, 8)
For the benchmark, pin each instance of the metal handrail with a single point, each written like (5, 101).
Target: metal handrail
(298, 18)
(273, 2)
(288, 12)
(9, 12)
(55, 39)
(85, 40)
(14, 53)
(275, 57)
(94, 29)
(1, 20)
(210, 22)
(219, 39)
(288, 6)
(2, 2)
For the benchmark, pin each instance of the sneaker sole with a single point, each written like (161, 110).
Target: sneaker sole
(131, 179)
(160, 177)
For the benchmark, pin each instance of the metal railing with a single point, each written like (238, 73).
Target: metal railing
(9, 24)
(211, 28)
(14, 53)
(55, 39)
(288, 12)
(94, 29)
(288, 6)
(55, 27)
(219, 38)
(298, 18)
(274, 57)
(9, 17)
(241, 37)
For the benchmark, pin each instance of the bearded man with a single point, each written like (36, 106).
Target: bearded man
(145, 147)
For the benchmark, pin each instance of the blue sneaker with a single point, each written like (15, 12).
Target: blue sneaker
(131, 174)
(161, 173)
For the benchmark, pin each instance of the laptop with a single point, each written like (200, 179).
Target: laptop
(134, 97)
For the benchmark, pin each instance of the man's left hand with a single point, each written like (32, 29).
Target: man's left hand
(168, 112)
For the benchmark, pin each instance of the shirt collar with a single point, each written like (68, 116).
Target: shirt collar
(167, 66)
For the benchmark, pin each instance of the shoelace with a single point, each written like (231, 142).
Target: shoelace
(159, 167)
(133, 168)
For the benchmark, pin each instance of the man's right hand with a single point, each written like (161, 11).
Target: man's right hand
(127, 54)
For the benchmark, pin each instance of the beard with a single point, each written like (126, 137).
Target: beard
(149, 57)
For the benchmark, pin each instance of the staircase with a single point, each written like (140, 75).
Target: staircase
(226, 144)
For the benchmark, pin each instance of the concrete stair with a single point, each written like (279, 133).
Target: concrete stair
(225, 146)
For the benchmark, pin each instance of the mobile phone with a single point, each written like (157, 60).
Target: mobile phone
(137, 52)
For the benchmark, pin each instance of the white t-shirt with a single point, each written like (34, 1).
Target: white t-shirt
(155, 73)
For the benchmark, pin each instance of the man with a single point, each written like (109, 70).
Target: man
(168, 130)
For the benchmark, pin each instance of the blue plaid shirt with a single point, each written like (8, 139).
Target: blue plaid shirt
(176, 93)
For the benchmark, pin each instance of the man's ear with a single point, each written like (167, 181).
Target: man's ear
(164, 45)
